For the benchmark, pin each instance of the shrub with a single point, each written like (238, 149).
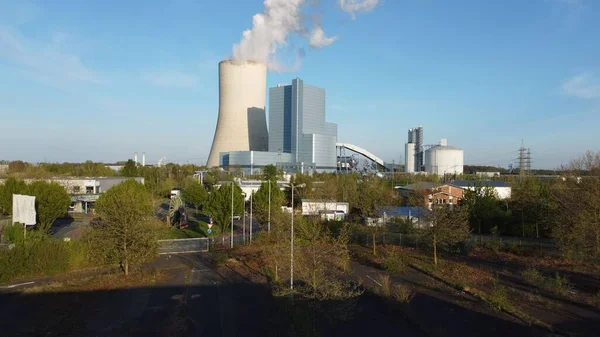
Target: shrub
(533, 276)
(402, 293)
(557, 284)
(386, 285)
(498, 298)
(394, 262)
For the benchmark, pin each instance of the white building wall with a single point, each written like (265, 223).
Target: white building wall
(409, 160)
(440, 160)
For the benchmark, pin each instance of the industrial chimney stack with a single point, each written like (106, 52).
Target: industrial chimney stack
(135, 158)
(143, 158)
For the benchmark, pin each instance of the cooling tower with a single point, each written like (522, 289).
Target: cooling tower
(241, 125)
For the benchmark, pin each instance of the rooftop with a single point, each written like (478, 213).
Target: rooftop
(485, 183)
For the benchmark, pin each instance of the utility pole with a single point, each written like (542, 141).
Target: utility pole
(244, 220)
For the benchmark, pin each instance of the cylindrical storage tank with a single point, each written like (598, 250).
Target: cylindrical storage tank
(409, 160)
(242, 91)
(440, 160)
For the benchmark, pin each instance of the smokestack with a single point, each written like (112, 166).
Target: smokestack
(135, 157)
(143, 158)
(241, 125)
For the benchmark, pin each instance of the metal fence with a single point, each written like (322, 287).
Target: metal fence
(414, 241)
(200, 245)
(180, 246)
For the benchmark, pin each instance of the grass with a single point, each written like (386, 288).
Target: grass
(139, 278)
(556, 284)
(195, 229)
(386, 285)
(402, 293)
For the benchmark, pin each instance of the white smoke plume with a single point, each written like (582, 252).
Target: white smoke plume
(280, 20)
(318, 38)
(355, 6)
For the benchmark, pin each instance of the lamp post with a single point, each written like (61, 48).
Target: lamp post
(269, 222)
(292, 239)
(232, 214)
(251, 193)
(244, 218)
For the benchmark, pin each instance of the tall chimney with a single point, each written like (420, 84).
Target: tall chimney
(135, 157)
(143, 158)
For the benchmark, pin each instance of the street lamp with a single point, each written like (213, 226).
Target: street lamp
(269, 223)
(251, 193)
(232, 183)
(292, 239)
(244, 218)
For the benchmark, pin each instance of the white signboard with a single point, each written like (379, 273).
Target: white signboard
(23, 209)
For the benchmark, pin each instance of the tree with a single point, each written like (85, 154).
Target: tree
(446, 227)
(129, 169)
(123, 231)
(320, 257)
(270, 172)
(11, 186)
(51, 201)
(373, 193)
(578, 197)
(483, 207)
(260, 201)
(219, 205)
(195, 194)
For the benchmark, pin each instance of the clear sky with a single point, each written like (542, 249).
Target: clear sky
(101, 79)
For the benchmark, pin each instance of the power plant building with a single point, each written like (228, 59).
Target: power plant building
(241, 125)
(413, 151)
(443, 159)
(299, 137)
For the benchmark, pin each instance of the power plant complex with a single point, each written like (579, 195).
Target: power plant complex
(298, 139)
(439, 159)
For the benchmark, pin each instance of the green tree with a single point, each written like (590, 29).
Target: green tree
(51, 200)
(11, 186)
(445, 227)
(219, 205)
(270, 172)
(260, 201)
(123, 232)
(130, 169)
(195, 194)
(483, 207)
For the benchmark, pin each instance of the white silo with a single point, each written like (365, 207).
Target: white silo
(409, 158)
(443, 159)
(241, 125)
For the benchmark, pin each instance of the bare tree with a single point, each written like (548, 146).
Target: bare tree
(578, 197)
(445, 227)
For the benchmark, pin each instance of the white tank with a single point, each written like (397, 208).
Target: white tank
(440, 160)
(241, 125)
(409, 159)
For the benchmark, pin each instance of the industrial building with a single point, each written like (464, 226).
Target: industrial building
(84, 191)
(438, 159)
(414, 150)
(241, 125)
(299, 138)
(443, 159)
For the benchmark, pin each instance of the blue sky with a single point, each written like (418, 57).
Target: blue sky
(101, 79)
